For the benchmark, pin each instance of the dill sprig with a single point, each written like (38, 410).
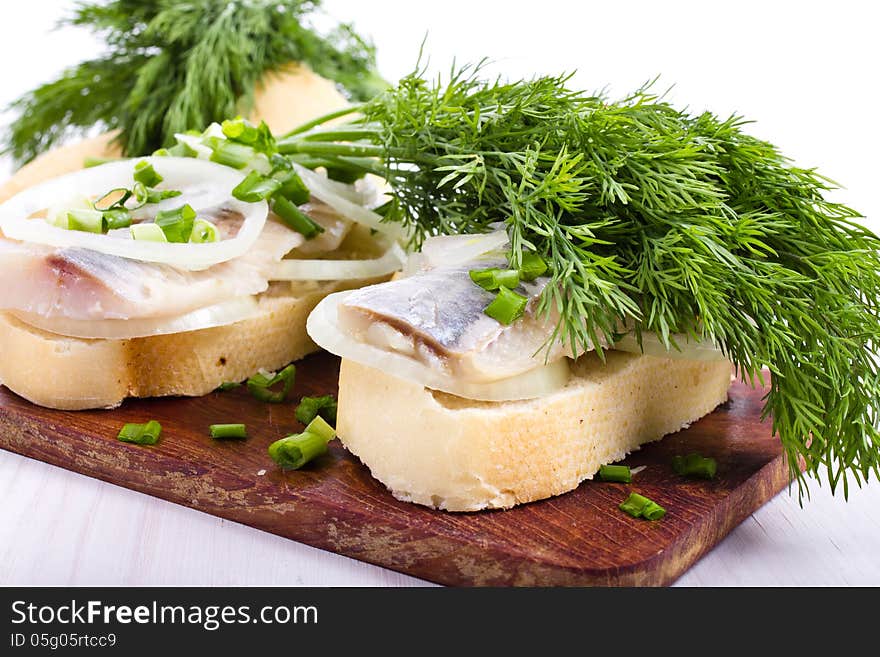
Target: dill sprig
(170, 66)
(652, 217)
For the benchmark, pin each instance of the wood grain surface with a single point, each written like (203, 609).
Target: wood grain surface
(576, 539)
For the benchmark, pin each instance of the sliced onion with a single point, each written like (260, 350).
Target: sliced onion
(220, 314)
(688, 348)
(328, 191)
(338, 270)
(454, 250)
(179, 173)
(323, 327)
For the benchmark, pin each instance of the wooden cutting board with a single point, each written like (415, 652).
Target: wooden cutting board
(580, 538)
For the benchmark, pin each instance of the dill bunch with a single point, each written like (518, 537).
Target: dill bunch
(653, 217)
(170, 66)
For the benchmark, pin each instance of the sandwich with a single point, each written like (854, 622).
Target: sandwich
(175, 273)
(592, 273)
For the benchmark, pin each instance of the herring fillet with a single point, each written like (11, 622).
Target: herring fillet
(437, 316)
(82, 284)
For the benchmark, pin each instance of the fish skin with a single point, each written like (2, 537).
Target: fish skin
(83, 284)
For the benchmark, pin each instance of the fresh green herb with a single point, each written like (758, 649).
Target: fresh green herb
(203, 231)
(231, 154)
(92, 161)
(226, 431)
(147, 233)
(311, 407)
(260, 385)
(229, 385)
(177, 224)
(141, 434)
(292, 188)
(639, 506)
(649, 216)
(113, 199)
(507, 307)
(619, 473)
(255, 187)
(296, 219)
(90, 221)
(293, 452)
(494, 278)
(145, 174)
(174, 65)
(694, 465)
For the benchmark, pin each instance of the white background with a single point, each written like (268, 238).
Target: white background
(804, 71)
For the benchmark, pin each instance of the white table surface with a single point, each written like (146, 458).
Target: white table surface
(804, 69)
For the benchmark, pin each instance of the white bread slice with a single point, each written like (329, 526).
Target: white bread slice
(73, 374)
(455, 454)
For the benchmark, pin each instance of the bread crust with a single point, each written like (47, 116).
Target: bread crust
(450, 453)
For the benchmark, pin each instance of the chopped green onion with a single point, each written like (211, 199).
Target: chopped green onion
(532, 266)
(229, 385)
(223, 431)
(292, 187)
(113, 199)
(145, 173)
(260, 385)
(255, 188)
(320, 427)
(89, 221)
(204, 231)
(141, 434)
(296, 219)
(293, 452)
(694, 465)
(162, 152)
(245, 132)
(177, 224)
(639, 506)
(507, 307)
(230, 154)
(619, 473)
(157, 195)
(147, 233)
(494, 278)
(117, 218)
(182, 150)
(311, 407)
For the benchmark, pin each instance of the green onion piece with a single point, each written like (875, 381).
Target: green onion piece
(90, 162)
(148, 233)
(296, 219)
(311, 407)
(260, 385)
(113, 199)
(182, 150)
(507, 307)
(156, 195)
(694, 465)
(532, 266)
(224, 431)
(245, 132)
(229, 385)
(620, 473)
(293, 452)
(345, 176)
(89, 221)
(161, 152)
(177, 224)
(117, 218)
(255, 188)
(639, 506)
(292, 187)
(319, 427)
(204, 231)
(494, 278)
(141, 434)
(231, 154)
(145, 173)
